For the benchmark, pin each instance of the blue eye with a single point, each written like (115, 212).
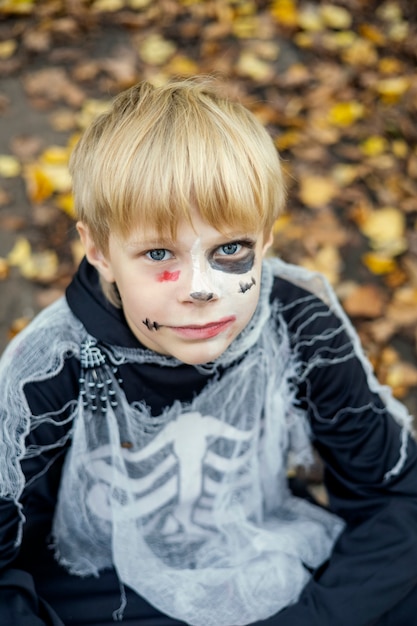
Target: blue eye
(159, 254)
(230, 248)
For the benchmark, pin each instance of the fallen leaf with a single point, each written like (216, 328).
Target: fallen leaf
(365, 301)
(20, 252)
(7, 48)
(156, 50)
(9, 166)
(335, 16)
(4, 269)
(327, 261)
(378, 263)
(385, 229)
(317, 191)
(374, 146)
(254, 67)
(346, 113)
(391, 90)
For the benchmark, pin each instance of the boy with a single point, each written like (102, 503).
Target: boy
(149, 419)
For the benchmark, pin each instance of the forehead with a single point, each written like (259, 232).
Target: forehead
(189, 230)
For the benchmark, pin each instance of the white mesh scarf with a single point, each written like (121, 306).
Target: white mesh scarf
(191, 507)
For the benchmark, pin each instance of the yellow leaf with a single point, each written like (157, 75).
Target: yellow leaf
(250, 65)
(398, 32)
(65, 202)
(378, 263)
(7, 48)
(374, 146)
(181, 65)
(303, 40)
(327, 261)
(245, 27)
(346, 113)
(309, 19)
(108, 5)
(139, 4)
(38, 184)
(281, 223)
(335, 17)
(20, 252)
(285, 12)
(77, 251)
(55, 155)
(4, 268)
(9, 166)
(41, 266)
(91, 110)
(360, 52)
(373, 33)
(20, 7)
(339, 40)
(399, 148)
(386, 230)
(288, 139)
(401, 375)
(391, 90)
(156, 50)
(344, 174)
(317, 191)
(390, 65)
(59, 177)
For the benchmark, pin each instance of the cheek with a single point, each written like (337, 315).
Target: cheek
(167, 276)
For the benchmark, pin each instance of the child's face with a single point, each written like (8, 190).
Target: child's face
(189, 298)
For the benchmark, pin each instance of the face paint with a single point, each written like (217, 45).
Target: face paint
(167, 276)
(230, 264)
(151, 325)
(201, 295)
(203, 283)
(246, 286)
(198, 312)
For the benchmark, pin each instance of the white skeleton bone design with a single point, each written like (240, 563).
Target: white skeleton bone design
(180, 476)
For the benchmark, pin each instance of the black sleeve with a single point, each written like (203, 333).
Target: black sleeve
(371, 477)
(20, 604)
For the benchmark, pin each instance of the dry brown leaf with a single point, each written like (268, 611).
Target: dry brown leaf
(54, 85)
(365, 301)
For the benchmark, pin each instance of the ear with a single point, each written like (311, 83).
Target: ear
(268, 243)
(93, 254)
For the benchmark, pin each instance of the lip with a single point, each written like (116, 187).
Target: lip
(204, 331)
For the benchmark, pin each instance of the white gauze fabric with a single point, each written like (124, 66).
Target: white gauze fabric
(192, 506)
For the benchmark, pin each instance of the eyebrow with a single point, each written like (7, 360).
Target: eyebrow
(161, 242)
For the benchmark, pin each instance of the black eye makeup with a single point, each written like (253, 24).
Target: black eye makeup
(234, 257)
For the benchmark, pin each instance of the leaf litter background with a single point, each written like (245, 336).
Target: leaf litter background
(334, 82)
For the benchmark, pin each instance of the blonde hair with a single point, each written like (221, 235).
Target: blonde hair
(161, 150)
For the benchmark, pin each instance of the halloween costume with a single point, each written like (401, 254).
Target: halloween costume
(161, 488)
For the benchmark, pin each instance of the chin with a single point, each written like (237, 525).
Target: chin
(202, 356)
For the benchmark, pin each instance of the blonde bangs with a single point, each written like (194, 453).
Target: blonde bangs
(162, 151)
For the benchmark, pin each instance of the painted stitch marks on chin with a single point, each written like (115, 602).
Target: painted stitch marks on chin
(151, 325)
(163, 277)
(244, 287)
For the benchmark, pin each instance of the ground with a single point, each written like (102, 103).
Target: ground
(334, 83)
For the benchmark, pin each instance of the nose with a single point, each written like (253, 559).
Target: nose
(199, 284)
(203, 296)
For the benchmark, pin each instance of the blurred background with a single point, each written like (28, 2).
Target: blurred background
(335, 83)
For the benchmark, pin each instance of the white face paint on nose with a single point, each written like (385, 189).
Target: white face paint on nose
(204, 286)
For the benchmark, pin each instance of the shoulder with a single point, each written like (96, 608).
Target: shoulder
(303, 298)
(40, 348)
